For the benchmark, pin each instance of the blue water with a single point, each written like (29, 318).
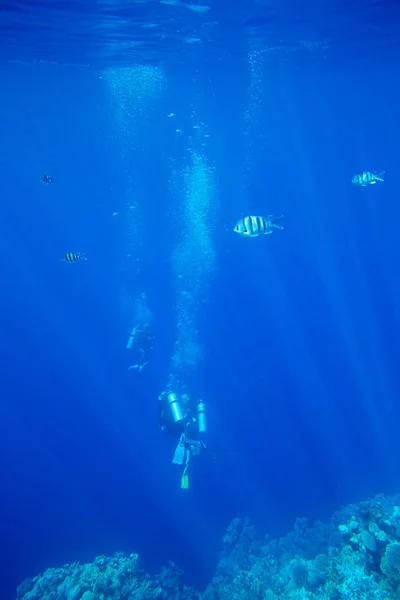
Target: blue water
(291, 339)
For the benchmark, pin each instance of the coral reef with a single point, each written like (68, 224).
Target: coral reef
(106, 578)
(356, 556)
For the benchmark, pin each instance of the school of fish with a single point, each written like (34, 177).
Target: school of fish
(251, 225)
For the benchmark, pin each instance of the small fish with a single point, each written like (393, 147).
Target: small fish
(72, 257)
(254, 226)
(367, 178)
(46, 179)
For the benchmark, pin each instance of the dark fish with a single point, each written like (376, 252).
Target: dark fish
(72, 257)
(46, 179)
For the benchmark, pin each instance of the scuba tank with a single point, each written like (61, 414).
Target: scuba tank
(201, 415)
(131, 338)
(175, 407)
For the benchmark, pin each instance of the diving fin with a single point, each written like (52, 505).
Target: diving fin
(185, 479)
(179, 454)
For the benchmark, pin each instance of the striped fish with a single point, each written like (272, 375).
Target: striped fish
(367, 178)
(46, 179)
(254, 226)
(72, 257)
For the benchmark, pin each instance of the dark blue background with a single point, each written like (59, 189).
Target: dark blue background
(300, 336)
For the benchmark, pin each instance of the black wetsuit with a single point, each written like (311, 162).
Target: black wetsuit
(187, 426)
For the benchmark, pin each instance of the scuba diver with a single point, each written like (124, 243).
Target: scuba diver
(140, 342)
(183, 418)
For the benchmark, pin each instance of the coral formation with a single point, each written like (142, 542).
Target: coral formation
(106, 578)
(355, 556)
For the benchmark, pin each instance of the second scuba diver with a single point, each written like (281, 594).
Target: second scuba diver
(183, 418)
(140, 342)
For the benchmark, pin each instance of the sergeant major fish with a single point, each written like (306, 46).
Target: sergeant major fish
(46, 179)
(72, 257)
(367, 178)
(254, 226)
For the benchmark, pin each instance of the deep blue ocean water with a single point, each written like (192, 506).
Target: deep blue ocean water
(162, 124)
